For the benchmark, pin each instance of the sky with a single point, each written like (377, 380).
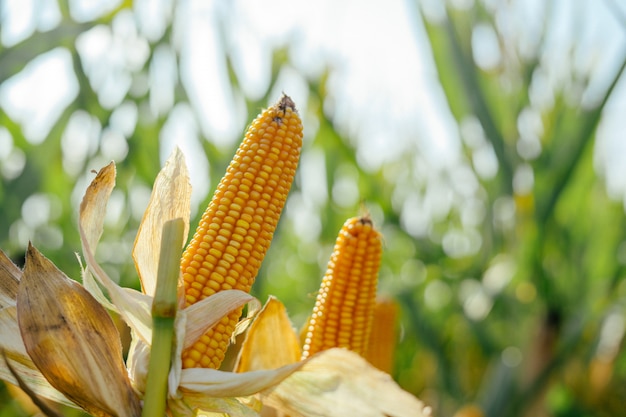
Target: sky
(383, 89)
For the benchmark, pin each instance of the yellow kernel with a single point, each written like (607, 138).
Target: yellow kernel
(232, 249)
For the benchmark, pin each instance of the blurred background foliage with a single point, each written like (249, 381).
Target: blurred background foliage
(508, 264)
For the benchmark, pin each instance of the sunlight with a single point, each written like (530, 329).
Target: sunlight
(37, 96)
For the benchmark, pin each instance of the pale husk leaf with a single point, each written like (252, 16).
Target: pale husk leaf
(170, 199)
(191, 323)
(217, 383)
(206, 313)
(191, 403)
(133, 306)
(72, 340)
(137, 363)
(271, 341)
(337, 382)
(93, 206)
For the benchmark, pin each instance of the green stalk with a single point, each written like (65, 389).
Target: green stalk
(163, 317)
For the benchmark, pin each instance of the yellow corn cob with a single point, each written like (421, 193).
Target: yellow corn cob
(382, 340)
(237, 227)
(342, 315)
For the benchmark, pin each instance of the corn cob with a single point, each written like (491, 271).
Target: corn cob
(342, 315)
(236, 229)
(382, 340)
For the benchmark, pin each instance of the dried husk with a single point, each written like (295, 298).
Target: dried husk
(337, 383)
(72, 340)
(262, 347)
(11, 345)
(170, 199)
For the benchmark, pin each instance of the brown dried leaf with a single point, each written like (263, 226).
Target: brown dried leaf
(45, 406)
(11, 343)
(10, 339)
(72, 340)
(13, 348)
(9, 281)
(93, 211)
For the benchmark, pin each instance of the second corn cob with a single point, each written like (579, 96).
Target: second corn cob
(383, 337)
(343, 311)
(236, 229)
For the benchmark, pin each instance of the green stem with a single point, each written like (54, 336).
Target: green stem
(163, 317)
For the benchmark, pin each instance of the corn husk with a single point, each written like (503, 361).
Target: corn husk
(72, 340)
